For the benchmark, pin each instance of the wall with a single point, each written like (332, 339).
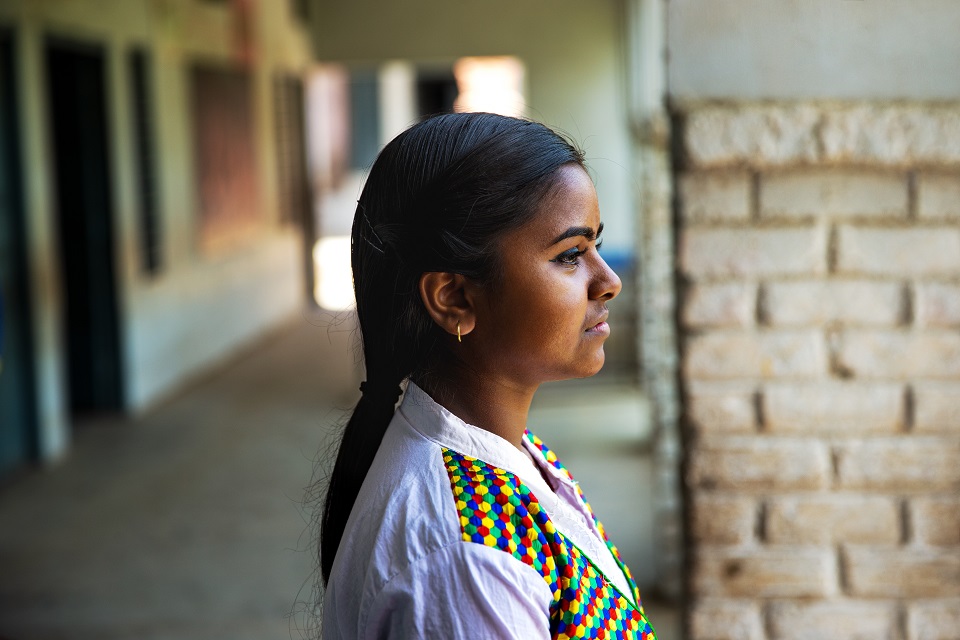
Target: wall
(203, 305)
(571, 52)
(820, 256)
(209, 303)
(806, 49)
(817, 166)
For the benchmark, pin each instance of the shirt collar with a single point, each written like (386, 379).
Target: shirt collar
(436, 423)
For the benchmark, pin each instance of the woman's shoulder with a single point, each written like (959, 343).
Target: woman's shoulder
(404, 511)
(409, 538)
(405, 484)
(421, 495)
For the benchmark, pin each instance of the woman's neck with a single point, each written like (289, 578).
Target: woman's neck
(483, 401)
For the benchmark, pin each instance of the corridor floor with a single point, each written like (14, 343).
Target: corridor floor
(189, 521)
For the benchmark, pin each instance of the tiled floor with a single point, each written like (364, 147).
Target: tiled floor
(189, 522)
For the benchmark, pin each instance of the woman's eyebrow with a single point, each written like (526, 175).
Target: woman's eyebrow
(573, 232)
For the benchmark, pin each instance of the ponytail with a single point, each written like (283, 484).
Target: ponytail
(361, 439)
(438, 198)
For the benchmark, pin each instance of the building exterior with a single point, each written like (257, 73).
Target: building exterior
(148, 233)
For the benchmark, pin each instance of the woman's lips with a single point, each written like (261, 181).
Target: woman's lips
(600, 327)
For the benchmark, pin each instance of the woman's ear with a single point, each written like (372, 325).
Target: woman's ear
(447, 301)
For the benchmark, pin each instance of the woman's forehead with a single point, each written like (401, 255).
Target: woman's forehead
(572, 202)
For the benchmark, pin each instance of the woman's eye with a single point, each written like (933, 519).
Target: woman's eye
(598, 245)
(570, 256)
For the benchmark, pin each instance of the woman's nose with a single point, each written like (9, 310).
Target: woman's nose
(606, 283)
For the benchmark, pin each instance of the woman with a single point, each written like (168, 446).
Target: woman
(477, 278)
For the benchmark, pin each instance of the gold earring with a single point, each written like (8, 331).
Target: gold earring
(459, 339)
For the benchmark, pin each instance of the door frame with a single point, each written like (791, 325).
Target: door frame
(17, 331)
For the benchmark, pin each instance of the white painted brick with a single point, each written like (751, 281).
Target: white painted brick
(894, 135)
(816, 302)
(937, 304)
(938, 197)
(724, 253)
(833, 407)
(830, 519)
(908, 463)
(901, 354)
(936, 407)
(768, 354)
(934, 619)
(722, 519)
(846, 620)
(754, 134)
(806, 133)
(715, 197)
(898, 252)
(725, 407)
(727, 304)
(722, 619)
(833, 193)
(764, 573)
(758, 463)
(901, 572)
(936, 520)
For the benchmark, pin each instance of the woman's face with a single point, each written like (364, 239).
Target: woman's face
(545, 319)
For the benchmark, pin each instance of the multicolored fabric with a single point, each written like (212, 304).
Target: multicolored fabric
(497, 510)
(551, 457)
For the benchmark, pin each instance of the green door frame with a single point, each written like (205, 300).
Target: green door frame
(18, 423)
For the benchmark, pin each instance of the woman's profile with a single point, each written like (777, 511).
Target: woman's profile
(477, 278)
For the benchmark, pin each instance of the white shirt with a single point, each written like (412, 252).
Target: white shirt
(403, 569)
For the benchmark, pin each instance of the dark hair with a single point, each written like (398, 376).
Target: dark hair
(439, 197)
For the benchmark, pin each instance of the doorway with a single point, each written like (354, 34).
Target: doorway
(84, 219)
(17, 418)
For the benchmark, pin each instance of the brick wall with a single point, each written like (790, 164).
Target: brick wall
(819, 260)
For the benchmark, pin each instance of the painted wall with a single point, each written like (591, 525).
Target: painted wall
(572, 54)
(808, 49)
(202, 306)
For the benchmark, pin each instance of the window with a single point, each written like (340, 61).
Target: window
(224, 153)
(145, 162)
(291, 152)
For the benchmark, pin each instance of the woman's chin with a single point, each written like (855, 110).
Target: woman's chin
(595, 365)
